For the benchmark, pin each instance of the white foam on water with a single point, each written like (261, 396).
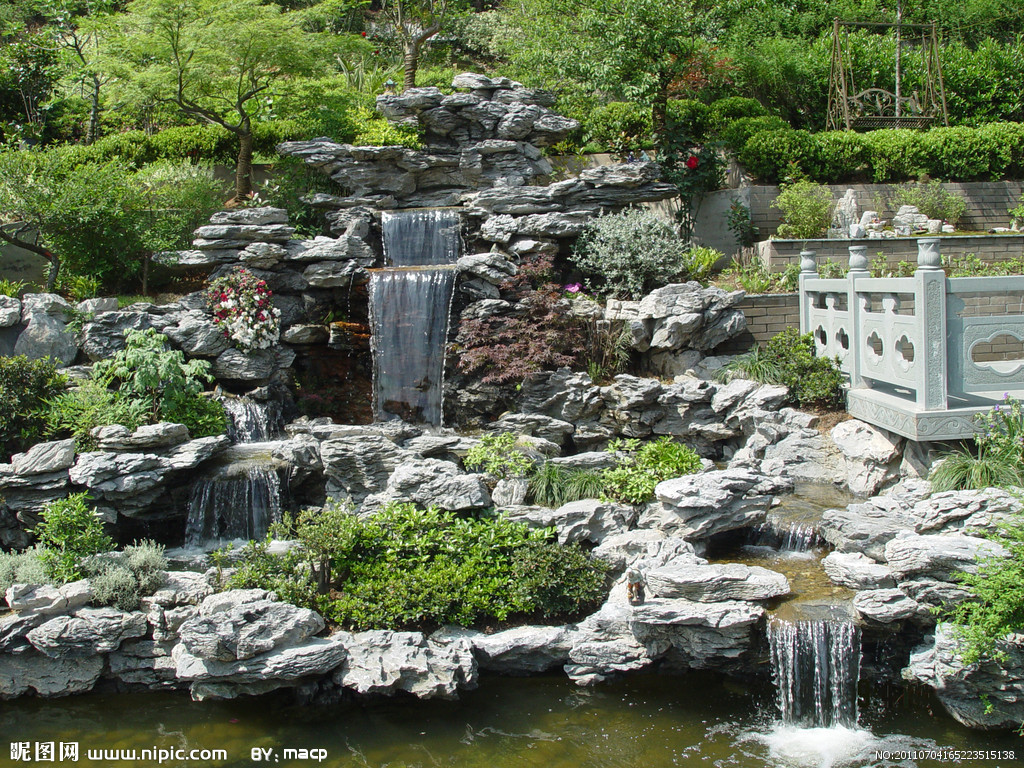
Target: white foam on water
(836, 747)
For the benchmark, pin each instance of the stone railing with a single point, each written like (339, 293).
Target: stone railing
(924, 353)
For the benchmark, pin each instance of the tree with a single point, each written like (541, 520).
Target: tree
(642, 51)
(216, 60)
(414, 22)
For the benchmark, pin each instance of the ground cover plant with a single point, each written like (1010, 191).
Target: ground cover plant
(406, 567)
(997, 458)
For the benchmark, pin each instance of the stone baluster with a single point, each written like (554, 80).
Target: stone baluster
(930, 311)
(858, 270)
(808, 270)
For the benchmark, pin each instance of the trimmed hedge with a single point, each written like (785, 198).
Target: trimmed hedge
(991, 151)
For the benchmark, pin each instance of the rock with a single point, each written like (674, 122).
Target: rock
(247, 629)
(360, 464)
(46, 600)
(262, 255)
(519, 651)
(384, 662)
(555, 430)
(510, 492)
(585, 520)
(43, 458)
(491, 267)
(235, 365)
(939, 557)
(164, 434)
(10, 311)
(622, 549)
(88, 632)
(46, 337)
(698, 506)
(605, 646)
(334, 274)
(233, 599)
(49, 304)
(45, 676)
(254, 217)
(867, 527)
(144, 663)
(278, 668)
(884, 606)
(195, 334)
(715, 583)
(305, 334)
(872, 455)
(432, 482)
(856, 571)
(986, 695)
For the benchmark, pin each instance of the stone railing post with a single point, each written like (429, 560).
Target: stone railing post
(808, 269)
(930, 311)
(858, 270)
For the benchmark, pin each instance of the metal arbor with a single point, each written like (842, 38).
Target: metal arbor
(874, 107)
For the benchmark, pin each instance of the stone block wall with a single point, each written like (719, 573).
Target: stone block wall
(767, 315)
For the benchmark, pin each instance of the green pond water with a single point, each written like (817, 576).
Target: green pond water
(547, 722)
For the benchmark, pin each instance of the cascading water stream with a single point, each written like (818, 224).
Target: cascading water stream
(241, 505)
(786, 536)
(410, 302)
(816, 668)
(250, 421)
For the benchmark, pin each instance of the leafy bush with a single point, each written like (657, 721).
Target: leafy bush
(373, 130)
(70, 530)
(408, 568)
(122, 579)
(733, 108)
(806, 210)
(895, 154)
(736, 133)
(769, 154)
(838, 156)
(634, 479)
(92, 404)
(932, 199)
(701, 262)
(621, 127)
(788, 359)
(497, 455)
(630, 253)
(964, 154)
(741, 225)
(22, 568)
(25, 387)
(689, 117)
(997, 607)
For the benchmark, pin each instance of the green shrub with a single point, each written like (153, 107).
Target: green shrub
(498, 455)
(622, 127)
(961, 470)
(741, 224)
(122, 579)
(701, 262)
(630, 253)
(147, 560)
(770, 154)
(961, 153)
(806, 210)
(89, 405)
(1007, 141)
(405, 567)
(895, 154)
(735, 134)
(724, 111)
(997, 607)
(25, 386)
(932, 199)
(116, 586)
(689, 117)
(373, 130)
(838, 156)
(22, 568)
(12, 288)
(552, 485)
(634, 479)
(70, 530)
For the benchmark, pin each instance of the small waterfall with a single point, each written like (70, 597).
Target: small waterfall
(237, 506)
(410, 303)
(786, 536)
(250, 421)
(816, 668)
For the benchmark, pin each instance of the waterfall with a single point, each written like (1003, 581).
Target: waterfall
(410, 303)
(237, 506)
(250, 421)
(786, 536)
(816, 668)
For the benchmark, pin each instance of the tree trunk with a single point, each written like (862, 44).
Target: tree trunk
(411, 62)
(243, 173)
(93, 131)
(46, 253)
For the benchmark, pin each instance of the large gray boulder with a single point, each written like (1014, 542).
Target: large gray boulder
(45, 676)
(432, 482)
(44, 458)
(585, 520)
(872, 455)
(701, 505)
(385, 662)
(517, 651)
(360, 464)
(856, 571)
(716, 583)
(47, 600)
(988, 694)
(45, 335)
(885, 606)
(87, 632)
(246, 629)
(939, 557)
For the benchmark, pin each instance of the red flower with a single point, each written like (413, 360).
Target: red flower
(691, 162)
(363, 34)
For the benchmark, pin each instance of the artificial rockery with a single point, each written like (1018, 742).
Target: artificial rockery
(899, 552)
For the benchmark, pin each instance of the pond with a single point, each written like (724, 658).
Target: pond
(646, 720)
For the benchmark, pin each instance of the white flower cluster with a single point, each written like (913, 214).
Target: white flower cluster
(249, 332)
